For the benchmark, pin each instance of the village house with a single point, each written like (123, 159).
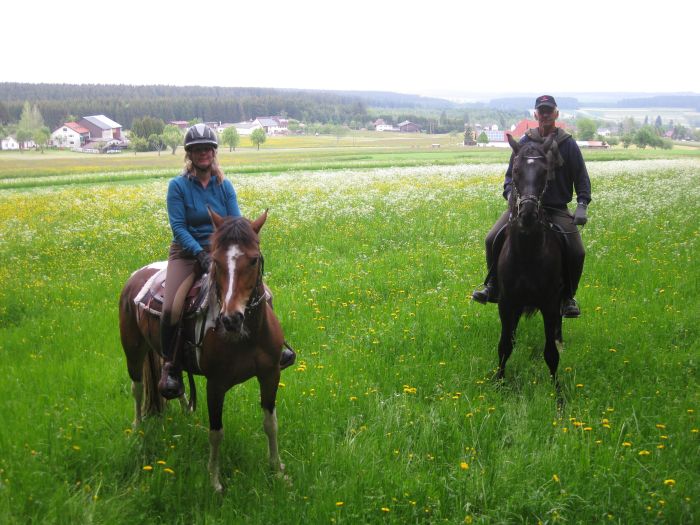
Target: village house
(247, 128)
(10, 143)
(274, 125)
(70, 135)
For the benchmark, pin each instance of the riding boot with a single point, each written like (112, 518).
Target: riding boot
(170, 385)
(569, 308)
(288, 356)
(489, 294)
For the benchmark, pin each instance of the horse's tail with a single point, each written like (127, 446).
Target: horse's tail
(153, 402)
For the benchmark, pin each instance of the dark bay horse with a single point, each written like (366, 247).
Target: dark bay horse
(242, 336)
(530, 262)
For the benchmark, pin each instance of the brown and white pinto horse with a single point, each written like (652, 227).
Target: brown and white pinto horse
(242, 336)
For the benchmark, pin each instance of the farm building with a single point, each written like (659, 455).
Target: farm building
(409, 127)
(247, 128)
(70, 135)
(274, 125)
(101, 127)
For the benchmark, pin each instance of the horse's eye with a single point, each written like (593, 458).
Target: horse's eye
(253, 261)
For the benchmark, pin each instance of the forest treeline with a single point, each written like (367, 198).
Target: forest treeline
(124, 103)
(58, 103)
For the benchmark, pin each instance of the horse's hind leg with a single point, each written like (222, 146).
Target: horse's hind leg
(268, 396)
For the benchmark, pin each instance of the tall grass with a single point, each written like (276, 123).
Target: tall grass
(390, 414)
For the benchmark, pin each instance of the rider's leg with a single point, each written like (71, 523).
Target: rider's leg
(179, 279)
(288, 354)
(573, 261)
(494, 241)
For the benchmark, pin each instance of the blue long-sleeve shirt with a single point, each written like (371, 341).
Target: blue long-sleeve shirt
(572, 175)
(187, 203)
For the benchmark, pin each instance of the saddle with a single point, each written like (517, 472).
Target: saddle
(150, 298)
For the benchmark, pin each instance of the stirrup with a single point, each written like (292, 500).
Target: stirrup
(288, 356)
(170, 385)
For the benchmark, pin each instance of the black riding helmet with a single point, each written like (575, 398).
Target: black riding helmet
(200, 134)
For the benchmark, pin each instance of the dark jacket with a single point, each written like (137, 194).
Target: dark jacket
(571, 175)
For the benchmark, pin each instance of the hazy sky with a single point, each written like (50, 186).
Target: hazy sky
(422, 47)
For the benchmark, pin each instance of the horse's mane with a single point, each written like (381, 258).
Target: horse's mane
(235, 230)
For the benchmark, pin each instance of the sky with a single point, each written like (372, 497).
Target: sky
(434, 48)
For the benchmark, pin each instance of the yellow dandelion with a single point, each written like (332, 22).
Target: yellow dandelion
(612, 350)
(587, 429)
(161, 462)
(690, 411)
(579, 385)
(464, 465)
(644, 452)
(660, 426)
(353, 398)
(660, 446)
(168, 470)
(555, 478)
(470, 414)
(76, 447)
(670, 482)
(281, 384)
(469, 519)
(694, 430)
(148, 468)
(626, 444)
(339, 503)
(385, 509)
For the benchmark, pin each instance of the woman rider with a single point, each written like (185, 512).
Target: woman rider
(202, 184)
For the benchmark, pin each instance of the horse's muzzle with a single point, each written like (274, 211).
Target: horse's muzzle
(233, 322)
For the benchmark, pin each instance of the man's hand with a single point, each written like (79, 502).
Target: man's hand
(204, 260)
(580, 215)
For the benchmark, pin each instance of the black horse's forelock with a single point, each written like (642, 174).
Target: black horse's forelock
(234, 230)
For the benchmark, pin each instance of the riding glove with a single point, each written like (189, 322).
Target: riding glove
(580, 217)
(204, 260)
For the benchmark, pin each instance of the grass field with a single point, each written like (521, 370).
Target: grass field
(389, 415)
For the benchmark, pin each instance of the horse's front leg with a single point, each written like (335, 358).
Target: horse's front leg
(215, 406)
(509, 322)
(268, 395)
(552, 331)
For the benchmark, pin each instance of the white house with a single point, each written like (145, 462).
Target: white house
(247, 128)
(273, 125)
(70, 135)
(9, 143)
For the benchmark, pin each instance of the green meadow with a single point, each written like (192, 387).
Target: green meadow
(390, 414)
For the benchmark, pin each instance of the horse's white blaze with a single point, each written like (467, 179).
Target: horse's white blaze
(231, 255)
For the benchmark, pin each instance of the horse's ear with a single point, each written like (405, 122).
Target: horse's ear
(257, 224)
(216, 219)
(513, 143)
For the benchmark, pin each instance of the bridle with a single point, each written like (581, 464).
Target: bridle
(258, 295)
(530, 197)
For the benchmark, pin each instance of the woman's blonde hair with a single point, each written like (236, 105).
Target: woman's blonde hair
(216, 171)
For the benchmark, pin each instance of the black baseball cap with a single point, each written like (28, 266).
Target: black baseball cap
(545, 100)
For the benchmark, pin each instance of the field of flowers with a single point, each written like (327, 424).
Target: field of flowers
(390, 414)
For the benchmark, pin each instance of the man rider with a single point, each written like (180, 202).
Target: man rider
(570, 174)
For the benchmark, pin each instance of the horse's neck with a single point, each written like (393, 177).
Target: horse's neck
(526, 242)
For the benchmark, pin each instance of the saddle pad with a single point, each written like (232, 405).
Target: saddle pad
(150, 297)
